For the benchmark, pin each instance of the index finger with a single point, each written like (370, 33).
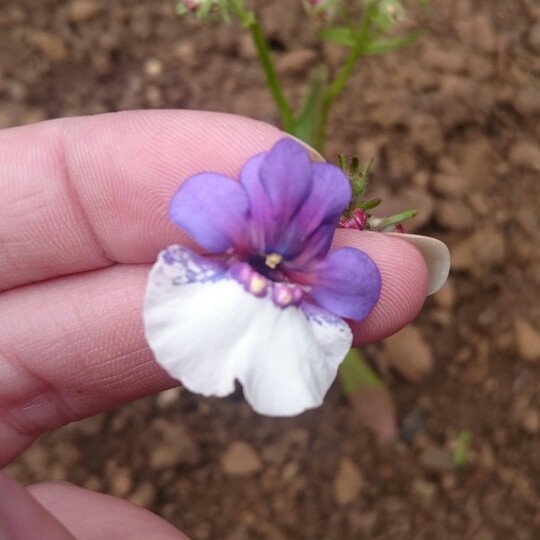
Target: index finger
(83, 193)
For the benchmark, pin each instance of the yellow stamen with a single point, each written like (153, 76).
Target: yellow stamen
(273, 260)
(257, 284)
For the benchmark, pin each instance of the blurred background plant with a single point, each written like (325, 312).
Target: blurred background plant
(362, 27)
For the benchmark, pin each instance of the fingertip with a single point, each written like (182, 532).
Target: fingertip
(92, 515)
(404, 277)
(22, 517)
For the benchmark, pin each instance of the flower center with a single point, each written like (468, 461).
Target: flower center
(273, 260)
(282, 294)
(268, 266)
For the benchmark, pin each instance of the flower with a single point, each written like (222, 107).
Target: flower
(265, 305)
(201, 7)
(322, 9)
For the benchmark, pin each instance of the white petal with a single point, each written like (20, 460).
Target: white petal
(206, 331)
(436, 255)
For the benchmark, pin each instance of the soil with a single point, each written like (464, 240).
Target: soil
(453, 123)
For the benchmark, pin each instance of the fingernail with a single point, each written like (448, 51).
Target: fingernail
(436, 255)
(313, 154)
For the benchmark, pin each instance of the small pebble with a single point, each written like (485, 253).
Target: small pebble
(153, 67)
(449, 185)
(530, 421)
(425, 489)
(527, 340)
(526, 154)
(533, 39)
(83, 10)
(348, 482)
(295, 62)
(240, 459)
(409, 353)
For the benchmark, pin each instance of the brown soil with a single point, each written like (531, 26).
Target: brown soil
(464, 102)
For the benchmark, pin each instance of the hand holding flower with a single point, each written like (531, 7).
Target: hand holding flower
(84, 213)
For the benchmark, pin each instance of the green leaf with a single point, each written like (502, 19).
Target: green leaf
(341, 35)
(181, 9)
(355, 165)
(307, 126)
(369, 397)
(383, 224)
(368, 205)
(361, 187)
(355, 373)
(460, 456)
(389, 45)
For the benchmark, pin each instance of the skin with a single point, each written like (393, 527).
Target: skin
(84, 214)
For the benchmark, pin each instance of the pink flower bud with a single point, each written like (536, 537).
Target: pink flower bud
(357, 221)
(191, 5)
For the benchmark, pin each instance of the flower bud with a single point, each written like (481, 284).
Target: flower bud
(357, 221)
(323, 10)
(199, 7)
(389, 12)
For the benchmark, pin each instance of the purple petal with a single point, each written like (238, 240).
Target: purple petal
(286, 176)
(312, 249)
(346, 283)
(277, 183)
(261, 213)
(316, 220)
(213, 209)
(329, 197)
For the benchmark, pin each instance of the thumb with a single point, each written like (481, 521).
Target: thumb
(411, 267)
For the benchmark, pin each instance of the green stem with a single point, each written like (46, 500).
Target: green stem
(345, 71)
(249, 21)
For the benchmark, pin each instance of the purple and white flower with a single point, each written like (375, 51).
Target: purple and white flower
(266, 304)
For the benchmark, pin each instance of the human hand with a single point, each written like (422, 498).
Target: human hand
(84, 213)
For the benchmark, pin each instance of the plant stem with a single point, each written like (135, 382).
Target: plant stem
(249, 21)
(345, 71)
(334, 90)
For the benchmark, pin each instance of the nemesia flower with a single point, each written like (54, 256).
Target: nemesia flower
(265, 306)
